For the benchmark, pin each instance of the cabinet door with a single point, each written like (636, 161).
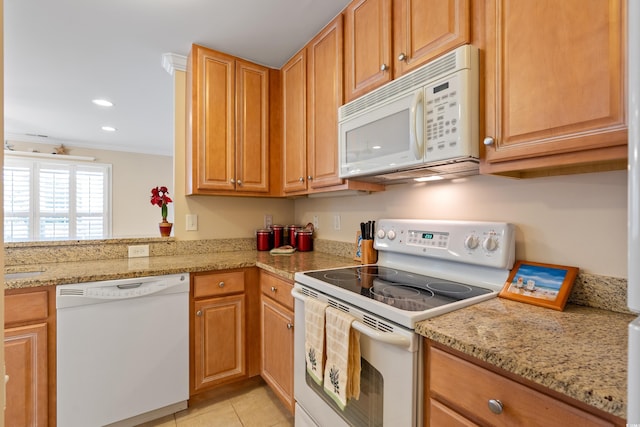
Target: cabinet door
(367, 36)
(212, 135)
(294, 101)
(324, 97)
(277, 350)
(219, 335)
(425, 29)
(555, 84)
(252, 127)
(25, 350)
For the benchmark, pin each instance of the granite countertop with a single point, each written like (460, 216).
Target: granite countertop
(580, 352)
(51, 274)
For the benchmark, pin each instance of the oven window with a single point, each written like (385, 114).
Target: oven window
(367, 410)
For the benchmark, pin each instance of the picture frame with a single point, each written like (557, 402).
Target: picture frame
(546, 285)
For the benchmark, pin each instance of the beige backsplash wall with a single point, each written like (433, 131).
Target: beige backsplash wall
(578, 220)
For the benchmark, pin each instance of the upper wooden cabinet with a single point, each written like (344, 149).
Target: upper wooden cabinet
(324, 97)
(367, 46)
(294, 107)
(554, 87)
(420, 29)
(424, 29)
(312, 93)
(228, 124)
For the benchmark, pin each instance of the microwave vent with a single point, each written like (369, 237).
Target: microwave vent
(431, 71)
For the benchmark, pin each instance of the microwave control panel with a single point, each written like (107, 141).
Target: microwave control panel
(451, 119)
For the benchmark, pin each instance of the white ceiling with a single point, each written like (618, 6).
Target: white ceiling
(59, 55)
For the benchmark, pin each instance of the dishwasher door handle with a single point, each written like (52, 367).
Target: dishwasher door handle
(129, 286)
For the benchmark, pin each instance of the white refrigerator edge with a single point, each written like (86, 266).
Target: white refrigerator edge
(633, 301)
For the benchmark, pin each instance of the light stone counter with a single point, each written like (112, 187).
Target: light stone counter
(580, 352)
(52, 274)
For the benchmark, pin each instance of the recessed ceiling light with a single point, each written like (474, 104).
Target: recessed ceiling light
(108, 128)
(102, 102)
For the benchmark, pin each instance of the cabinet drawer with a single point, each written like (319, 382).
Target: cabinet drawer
(278, 289)
(27, 307)
(215, 284)
(467, 388)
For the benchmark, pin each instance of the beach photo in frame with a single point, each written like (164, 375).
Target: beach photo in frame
(546, 285)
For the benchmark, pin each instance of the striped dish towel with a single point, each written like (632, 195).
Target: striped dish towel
(314, 325)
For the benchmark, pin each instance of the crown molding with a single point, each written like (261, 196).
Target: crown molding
(173, 62)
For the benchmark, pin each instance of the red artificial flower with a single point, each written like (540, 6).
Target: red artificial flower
(160, 197)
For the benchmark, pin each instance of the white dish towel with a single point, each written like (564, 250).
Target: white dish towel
(342, 370)
(314, 325)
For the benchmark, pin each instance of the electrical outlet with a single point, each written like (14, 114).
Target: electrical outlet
(191, 222)
(336, 222)
(268, 220)
(316, 222)
(138, 251)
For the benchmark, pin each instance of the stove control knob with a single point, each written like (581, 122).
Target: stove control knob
(490, 244)
(391, 234)
(471, 242)
(381, 234)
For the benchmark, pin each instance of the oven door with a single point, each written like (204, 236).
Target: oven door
(390, 383)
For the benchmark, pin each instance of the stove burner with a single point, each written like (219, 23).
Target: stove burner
(365, 272)
(449, 287)
(401, 297)
(340, 276)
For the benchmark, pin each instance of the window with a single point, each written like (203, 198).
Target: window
(56, 200)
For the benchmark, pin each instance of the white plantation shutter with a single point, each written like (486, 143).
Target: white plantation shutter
(56, 200)
(17, 203)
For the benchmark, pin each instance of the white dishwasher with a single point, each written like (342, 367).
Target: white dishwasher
(122, 350)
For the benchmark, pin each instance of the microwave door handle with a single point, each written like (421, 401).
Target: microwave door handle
(416, 124)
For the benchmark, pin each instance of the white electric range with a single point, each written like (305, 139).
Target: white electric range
(425, 268)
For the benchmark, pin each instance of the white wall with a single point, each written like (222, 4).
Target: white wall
(133, 176)
(577, 220)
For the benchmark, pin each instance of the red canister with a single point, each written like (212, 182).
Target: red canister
(264, 240)
(291, 234)
(304, 239)
(278, 235)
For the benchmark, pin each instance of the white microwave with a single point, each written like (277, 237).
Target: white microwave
(425, 122)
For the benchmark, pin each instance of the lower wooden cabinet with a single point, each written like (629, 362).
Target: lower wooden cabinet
(26, 351)
(277, 337)
(219, 329)
(460, 392)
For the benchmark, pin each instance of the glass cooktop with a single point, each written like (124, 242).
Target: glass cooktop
(401, 289)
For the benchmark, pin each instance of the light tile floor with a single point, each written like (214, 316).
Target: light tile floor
(252, 404)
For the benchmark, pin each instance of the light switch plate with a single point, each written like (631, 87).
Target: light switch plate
(191, 222)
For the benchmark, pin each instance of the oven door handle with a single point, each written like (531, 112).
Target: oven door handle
(385, 337)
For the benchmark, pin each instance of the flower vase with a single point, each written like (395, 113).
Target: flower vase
(165, 228)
